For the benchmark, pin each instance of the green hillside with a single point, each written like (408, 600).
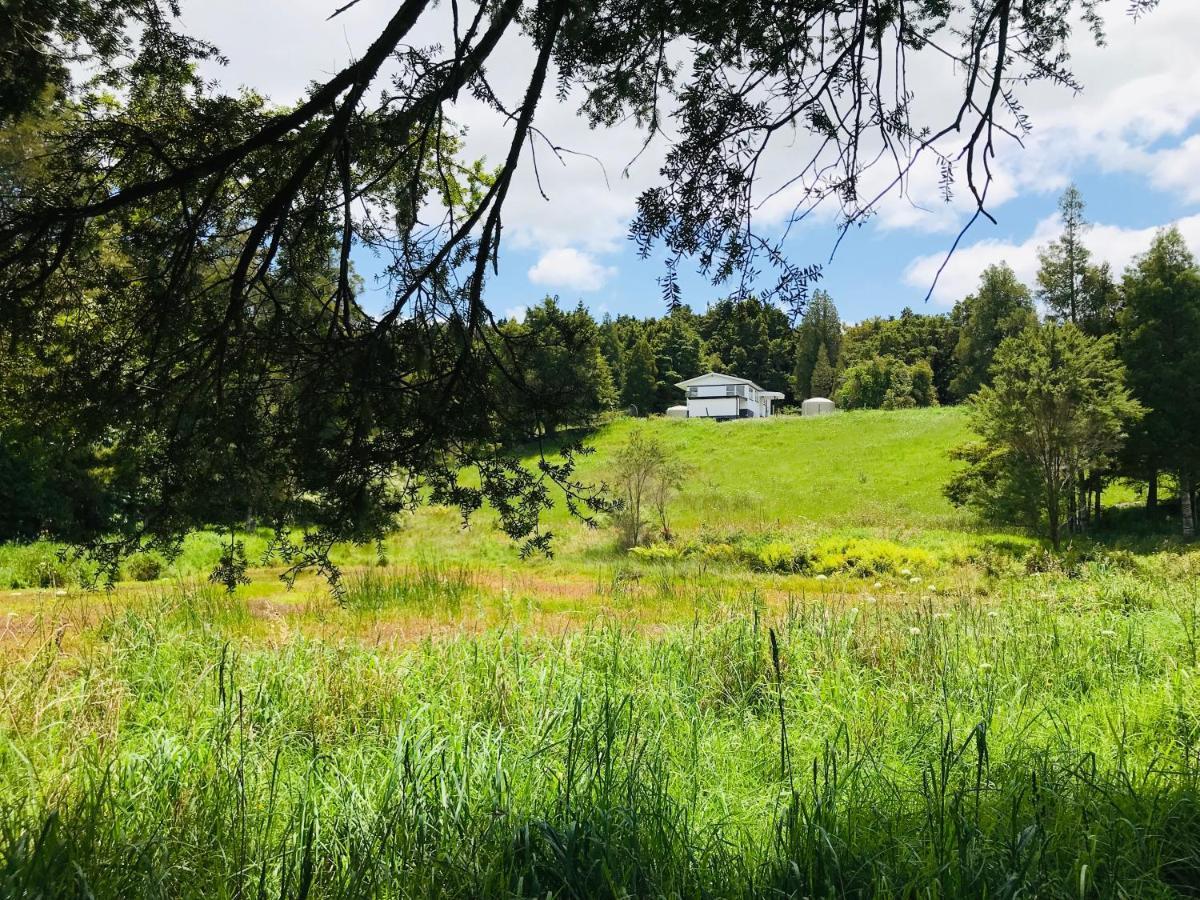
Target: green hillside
(866, 468)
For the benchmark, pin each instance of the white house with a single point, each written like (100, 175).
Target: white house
(717, 396)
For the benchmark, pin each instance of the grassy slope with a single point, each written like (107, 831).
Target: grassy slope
(869, 468)
(559, 732)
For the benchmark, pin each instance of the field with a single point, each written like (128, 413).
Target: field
(832, 685)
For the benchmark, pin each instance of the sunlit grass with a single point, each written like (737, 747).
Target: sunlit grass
(1030, 735)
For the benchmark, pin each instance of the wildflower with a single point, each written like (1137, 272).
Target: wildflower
(933, 589)
(822, 577)
(60, 593)
(905, 572)
(914, 630)
(992, 614)
(870, 599)
(914, 580)
(878, 585)
(1108, 632)
(985, 667)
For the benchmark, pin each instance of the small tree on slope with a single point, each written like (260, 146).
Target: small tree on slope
(1057, 407)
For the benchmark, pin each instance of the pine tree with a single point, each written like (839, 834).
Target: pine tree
(824, 378)
(1160, 343)
(819, 328)
(641, 377)
(1057, 408)
(1064, 261)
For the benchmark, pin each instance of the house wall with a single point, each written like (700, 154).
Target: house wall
(712, 406)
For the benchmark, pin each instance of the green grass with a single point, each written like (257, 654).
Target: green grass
(863, 468)
(1040, 740)
(832, 685)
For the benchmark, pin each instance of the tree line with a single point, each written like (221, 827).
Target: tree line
(1104, 387)
(1135, 336)
(1101, 385)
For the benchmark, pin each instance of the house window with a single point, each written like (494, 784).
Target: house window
(731, 390)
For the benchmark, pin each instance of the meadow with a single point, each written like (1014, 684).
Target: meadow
(865, 695)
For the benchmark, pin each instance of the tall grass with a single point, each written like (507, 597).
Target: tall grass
(1043, 742)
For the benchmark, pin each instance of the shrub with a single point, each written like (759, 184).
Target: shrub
(863, 557)
(144, 567)
(646, 475)
(777, 556)
(656, 553)
(884, 382)
(720, 552)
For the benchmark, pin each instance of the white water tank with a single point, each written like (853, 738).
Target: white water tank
(817, 406)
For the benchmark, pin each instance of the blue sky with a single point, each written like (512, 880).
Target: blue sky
(1130, 141)
(867, 276)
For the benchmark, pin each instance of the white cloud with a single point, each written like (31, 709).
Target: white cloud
(516, 313)
(1177, 169)
(1141, 97)
(567, 267)
(1109, 243)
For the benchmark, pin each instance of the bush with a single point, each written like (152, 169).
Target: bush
(884, 382)
(144, 567)
(778, 556)
(656, 553)
(865, 558)
(36, 565)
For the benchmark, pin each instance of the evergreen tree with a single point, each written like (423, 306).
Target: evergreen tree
(678, 354)
(1160, 343)
(641, 377)
(560, 374)
(1101, 301)
(819, 328)
(1057, 408)
(610, 347)
(1064, 261)
(748, 338)
(1072, 288)
(1001, 308)
(824, 378)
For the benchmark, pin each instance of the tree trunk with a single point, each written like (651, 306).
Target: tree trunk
(1099, 496)
(1152, 491)
(1185, 505)
(1052, 515)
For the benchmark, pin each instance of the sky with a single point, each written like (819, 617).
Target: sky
(1130, 141)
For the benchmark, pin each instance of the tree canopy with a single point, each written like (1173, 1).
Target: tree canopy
(1001, 308)
(175, 261)
(1160, 344)
(1057, 407)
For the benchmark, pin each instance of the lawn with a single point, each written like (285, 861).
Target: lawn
(922, 708)
(865, 468)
